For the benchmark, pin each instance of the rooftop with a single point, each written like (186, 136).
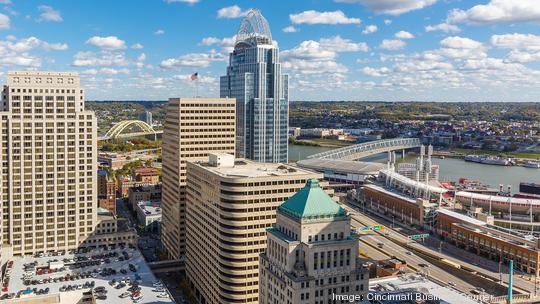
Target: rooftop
(311, 202)
(254, 30)
(462, 217)
(348, 166)
(250, 169)
(149, 207)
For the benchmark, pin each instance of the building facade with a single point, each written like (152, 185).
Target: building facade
(106, 191)
(311, 253)
(255, 79)
(48, 153)
(229, 207)
(193, 128)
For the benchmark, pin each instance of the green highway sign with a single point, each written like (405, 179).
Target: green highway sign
(419, 236)
(371, 228)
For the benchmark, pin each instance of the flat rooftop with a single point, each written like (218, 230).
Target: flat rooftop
(249, 169)
(461, 217)
(417, 284)
(67, 266)
(149, 207)
(346, 166)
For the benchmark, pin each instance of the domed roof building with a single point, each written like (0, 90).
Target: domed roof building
(254, 78)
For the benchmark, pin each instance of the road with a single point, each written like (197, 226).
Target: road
(413, 260)
(484, 267)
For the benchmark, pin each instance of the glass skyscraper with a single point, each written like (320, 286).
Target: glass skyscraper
(254, 78)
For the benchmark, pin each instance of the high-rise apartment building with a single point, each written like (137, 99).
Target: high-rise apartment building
(146, 117)
(254, 78)
(48, 151)
(229, 206)
(311, 253)
(193, 128)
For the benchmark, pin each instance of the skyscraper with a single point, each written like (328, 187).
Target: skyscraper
(229, 206)
(254, 78)
(146, 117)
(193, 128)
(311, 253)
(48, 151)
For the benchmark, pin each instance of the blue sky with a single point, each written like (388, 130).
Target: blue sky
(441, 50)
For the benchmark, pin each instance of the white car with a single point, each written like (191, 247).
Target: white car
(162, 295)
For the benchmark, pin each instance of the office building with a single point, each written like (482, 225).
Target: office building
(193, 128)
(146, 117)
(229, 205)
(48, 157)
(106, 191)
(254, 78)
(311, 253)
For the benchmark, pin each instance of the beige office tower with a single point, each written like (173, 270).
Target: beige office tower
(230, 204)
(193, 128)
(312, 256)
(48, 150)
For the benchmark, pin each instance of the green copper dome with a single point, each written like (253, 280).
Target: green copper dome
(311, 202)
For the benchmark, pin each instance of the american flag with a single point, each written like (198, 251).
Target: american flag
(194, 76)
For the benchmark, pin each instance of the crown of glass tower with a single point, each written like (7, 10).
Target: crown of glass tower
(254, 30)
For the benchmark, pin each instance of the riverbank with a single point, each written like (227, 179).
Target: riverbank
(320, 142)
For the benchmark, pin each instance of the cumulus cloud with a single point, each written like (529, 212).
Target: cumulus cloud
(290, 29)
(107, 43)
(392, 44)
(231, 12)
(392, 7)
(5, 22)
(159, 32)
(88, 59)
(443, 27)
(403, 35)
(316, 17)
(498, 11)
(49, 14)
(370, 29)
(16, 52)
(137, 46)
(196, 60)
(516, 41)
(387, 21)
(456, 42)
(375, 72)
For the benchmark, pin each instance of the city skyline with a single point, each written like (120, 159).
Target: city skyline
(333, 50)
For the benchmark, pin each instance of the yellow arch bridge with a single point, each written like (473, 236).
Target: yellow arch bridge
(117, 131)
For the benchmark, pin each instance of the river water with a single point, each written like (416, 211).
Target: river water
(450, 169)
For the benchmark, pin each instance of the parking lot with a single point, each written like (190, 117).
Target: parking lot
(110, 273)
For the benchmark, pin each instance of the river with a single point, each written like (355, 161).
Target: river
(450, 169)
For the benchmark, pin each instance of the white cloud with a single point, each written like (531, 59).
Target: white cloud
(195, 60)
(290, 29)
(338, 44)
(316, 17)
(499, 11)
(375, 72)
(107, 43)
(159, 32)
(517, 41)
(137, 46)
(82, 59)
(111, 71)
(370, 29)
(7, 2)
(231, 12)
(456, 42)
(48, 13)
(392, 44)
(523, 57)
(5, 22)
(191, 2)
(387, 21)
(392, 7)
(403, 35)
(443, 27)
(27, 44)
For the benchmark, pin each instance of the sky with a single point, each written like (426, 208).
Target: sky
(380, 50)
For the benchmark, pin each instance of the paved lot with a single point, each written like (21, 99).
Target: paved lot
(146, 277)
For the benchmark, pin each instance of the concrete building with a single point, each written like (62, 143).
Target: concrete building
(229, 207)
(255, 79)
(48, 157)
(106, 191)
(149, 215)
(143, 193)
(146, 117)
(146, 175)
(342, 171)
(194, 127)
(114, 161)
(311, 253)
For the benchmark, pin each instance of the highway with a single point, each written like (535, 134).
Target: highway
(483, 267)
(413, 260)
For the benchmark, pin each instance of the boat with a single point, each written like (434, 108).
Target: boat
(473, 158)
(488, 160)
(530, 188)
(532, 164)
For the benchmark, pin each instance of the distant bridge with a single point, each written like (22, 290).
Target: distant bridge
(117, 131)
(362, 150)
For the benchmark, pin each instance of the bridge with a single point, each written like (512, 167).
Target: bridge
(358, 151)
(117, 131)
